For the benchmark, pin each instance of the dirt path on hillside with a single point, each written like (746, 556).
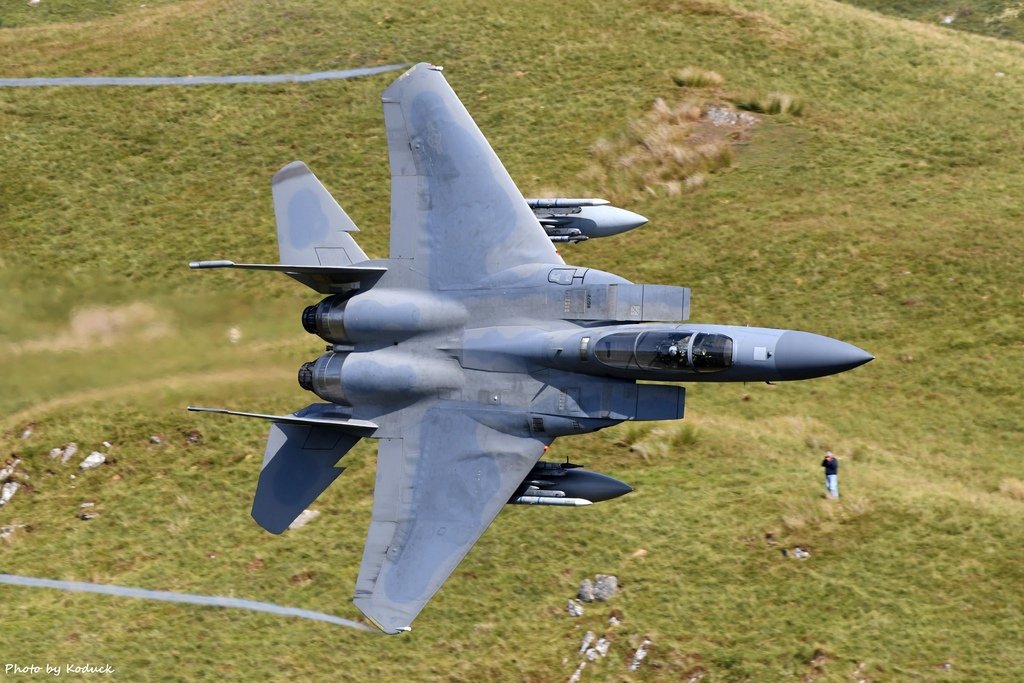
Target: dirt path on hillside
(170, 383)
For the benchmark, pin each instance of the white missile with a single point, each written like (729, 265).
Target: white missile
(577, 219)
(550, 500)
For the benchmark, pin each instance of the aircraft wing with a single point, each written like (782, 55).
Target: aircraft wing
(438, 488)
(454, 209)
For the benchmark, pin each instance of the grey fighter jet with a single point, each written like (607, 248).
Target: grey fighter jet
(469, 350)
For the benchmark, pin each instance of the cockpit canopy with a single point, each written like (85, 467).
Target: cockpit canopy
(678, 351)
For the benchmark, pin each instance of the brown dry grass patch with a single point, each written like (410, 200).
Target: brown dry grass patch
(671, 149)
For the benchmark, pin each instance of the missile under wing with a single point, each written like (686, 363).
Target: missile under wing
(575, 220)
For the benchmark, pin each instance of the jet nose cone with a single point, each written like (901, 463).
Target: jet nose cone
(802, 355)
(629, 220)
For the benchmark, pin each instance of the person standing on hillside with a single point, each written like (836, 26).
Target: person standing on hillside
(831, 465)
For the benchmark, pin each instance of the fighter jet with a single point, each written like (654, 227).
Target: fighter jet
(469, 350)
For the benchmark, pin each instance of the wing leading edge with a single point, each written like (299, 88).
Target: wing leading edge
(455, 210)
(438, 488)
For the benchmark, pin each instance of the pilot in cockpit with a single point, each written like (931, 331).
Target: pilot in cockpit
(675, 355)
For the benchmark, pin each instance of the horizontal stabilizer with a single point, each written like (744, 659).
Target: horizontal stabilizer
(323, 279)
(299, 464)
(316, 415)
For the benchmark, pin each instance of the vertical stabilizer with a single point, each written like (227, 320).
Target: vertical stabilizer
(312, 228)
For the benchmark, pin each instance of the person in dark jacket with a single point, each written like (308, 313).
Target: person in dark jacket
(831, 466)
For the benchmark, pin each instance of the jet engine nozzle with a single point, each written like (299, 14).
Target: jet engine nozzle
(306, 375)
(323, 377)
(309, 319)
(382, 316)
(326, 319)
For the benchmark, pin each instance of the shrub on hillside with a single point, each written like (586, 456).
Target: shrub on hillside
(692, 77)
(773, 103)
(1014, 488)
(670, 147)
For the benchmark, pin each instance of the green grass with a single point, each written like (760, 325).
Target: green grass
(22, 14)
(997, 18)
(888, 215)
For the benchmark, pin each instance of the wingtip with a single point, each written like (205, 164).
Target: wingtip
(294, 169)
(218, 263)
(364, 606)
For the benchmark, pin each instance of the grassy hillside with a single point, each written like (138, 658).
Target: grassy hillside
(996, 18)
(887, 215)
